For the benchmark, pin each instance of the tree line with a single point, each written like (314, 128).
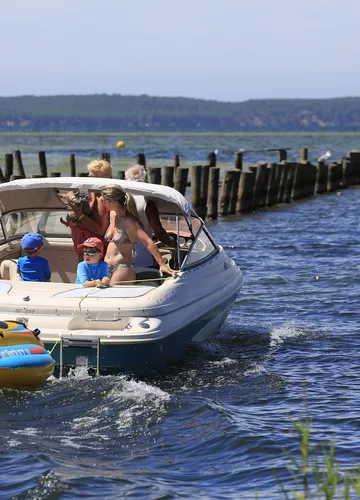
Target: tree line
(107, 113)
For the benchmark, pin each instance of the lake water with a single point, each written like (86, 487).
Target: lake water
(214, 425)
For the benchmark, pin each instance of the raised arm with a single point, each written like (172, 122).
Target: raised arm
(152, 215)
(153, 249)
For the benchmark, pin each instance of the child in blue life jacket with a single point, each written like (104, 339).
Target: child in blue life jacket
(31, 267)
(92, 271)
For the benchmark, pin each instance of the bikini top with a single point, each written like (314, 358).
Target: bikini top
(120, 236)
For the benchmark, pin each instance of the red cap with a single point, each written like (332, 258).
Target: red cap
(92, 243)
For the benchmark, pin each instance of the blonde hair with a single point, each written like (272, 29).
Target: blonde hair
(102, 167)
(116, 193)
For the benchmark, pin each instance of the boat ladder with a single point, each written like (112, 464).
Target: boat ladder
(92, 343)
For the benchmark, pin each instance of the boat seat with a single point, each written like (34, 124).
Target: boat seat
(8, 270)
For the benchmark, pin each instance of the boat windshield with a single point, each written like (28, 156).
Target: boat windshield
(47, 223)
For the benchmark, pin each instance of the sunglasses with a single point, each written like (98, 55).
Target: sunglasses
(90, 252)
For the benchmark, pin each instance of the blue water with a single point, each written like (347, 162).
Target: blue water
(214, 425)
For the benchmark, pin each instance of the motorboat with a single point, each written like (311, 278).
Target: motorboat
(125, 328)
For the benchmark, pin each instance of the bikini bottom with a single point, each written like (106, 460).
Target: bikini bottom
(116, 267)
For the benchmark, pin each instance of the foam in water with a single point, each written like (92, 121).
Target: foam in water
(281, 333)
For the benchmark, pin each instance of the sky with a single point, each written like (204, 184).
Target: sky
(228, 50)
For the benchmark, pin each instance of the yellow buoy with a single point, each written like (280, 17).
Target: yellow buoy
(120, 144)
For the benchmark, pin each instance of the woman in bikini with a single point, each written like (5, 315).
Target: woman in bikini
(124, 229)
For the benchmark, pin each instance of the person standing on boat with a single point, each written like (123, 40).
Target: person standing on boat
(124, 230)
(150, 219)
(96, 220)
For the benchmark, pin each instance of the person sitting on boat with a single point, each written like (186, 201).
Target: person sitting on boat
(90, 218)
(124, 230)
(32, 267)
(92, 271)
(149, 216)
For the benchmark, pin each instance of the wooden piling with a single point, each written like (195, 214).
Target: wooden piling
(238, 158)
(72, 165)
(226, 192)
(334, 176)
(9, 166)
(120, 174)
(213, 193)
(176, 161)
(282, 155)
(196, 189)
(304, 180)
(167, 176)
(19, 163)
(304, 154)
(204, 188)
(181, 178)
(2, 176)
(42, 163)
(284, 170)
(106, 157)
(212, 159)
(321, 177)
(291, 168)
(273, 185)
(245, 192)
(140, 159)
(261, 173)
(234, 191)
(348, 175)
(154, 175)
(354, 156)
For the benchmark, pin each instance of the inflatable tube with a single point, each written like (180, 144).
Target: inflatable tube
(24, 361)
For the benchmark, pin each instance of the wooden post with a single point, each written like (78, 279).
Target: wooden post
(181, 177)
(354, 156)
(345, 174)
(42, 163)
(304, 154)
(204, 186)
(289, 181)
(196, 187)
(120, 174)
(282, 155)
(225, 192)
(140, 159)
(19, 163)
(234, 191)
(321, 177)
(14, 177)
(176, 161)
(245, 192)
(273, 186)
(212, 159)
(282, 181)
(167, 176)
(154, 175)
(2, 177)
(55, 174)
(106, 157)
(238, 160)
(213, 193)
(9, 166)
(72, 165)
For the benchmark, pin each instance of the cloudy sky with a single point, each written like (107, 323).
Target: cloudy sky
(228, 50)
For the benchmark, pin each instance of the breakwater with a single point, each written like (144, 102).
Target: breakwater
(227, 191)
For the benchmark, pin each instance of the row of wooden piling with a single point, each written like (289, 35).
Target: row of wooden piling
(241, 190)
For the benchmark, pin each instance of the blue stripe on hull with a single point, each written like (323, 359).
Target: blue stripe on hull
(138, 358)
